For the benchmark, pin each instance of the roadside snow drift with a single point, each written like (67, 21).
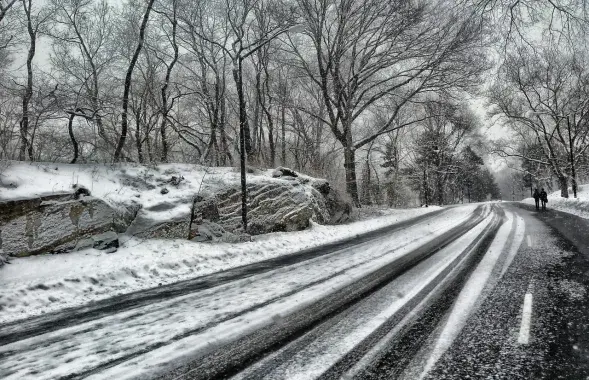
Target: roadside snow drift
(577, 206)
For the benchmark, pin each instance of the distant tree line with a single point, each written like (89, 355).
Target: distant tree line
(541, 94)
(370, 93)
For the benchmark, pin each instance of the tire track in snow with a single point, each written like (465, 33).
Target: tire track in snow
(334, 346)
(89, 363)
(21, 329)
(472, 290)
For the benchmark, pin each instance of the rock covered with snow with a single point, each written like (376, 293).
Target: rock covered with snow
(272, 206)
(202, 204)
(107, 241)
(144, 226)
(52, 223)
(286, 202)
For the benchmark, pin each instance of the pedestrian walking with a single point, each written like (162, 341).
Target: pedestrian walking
(544, 199)
(537, 198)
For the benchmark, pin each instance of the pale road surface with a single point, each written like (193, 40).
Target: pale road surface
(493, 290)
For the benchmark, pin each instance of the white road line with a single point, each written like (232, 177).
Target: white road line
(529, 241)
(524, 331)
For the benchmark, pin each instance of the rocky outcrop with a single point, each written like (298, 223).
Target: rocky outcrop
(272, 206)
(338, 209)
(146, 227)
(211, 232)
(73, 221)
(107, 241)
(53, 223)
(286, 203)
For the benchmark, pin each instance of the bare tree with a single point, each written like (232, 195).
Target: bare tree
(206, 65)
(542, 96)
(34, 19)
(7, 33)
(375, 54)
(171, 16)
(128, 78)
(239, 15)
(82, 33)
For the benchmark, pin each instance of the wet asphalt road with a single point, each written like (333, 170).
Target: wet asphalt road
(546, 285)
(552, 264)
(551, 269)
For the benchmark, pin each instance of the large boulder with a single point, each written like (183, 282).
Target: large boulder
(211, 232)
(329, 205)
(145, 226)
(338, 208)
(276, 205)
(54, 223)
(107, 241)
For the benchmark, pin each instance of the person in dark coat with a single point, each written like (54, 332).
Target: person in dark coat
(537, 198)
(543, 198)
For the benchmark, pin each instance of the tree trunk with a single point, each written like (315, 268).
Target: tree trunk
(70, 129)
(365, 198)
(225, 154)
(138, 136)
(256, 128)
(243, 139)
(283, 134)
(425, 189)
(564, 186)
(148, 147)
(268, 112)
(128, 77)
(24, 123)
(350, 168)
(440, 190)
(164, 90)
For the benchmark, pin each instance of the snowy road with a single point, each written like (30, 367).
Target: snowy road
(392, 304)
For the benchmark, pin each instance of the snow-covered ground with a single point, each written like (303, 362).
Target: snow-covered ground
(41, 284)
(190, 324)
(577, 206)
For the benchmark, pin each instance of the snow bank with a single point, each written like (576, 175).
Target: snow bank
(41, 284)
(577, 206)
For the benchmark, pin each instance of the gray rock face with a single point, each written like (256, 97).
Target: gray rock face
(124, 218)
(208, 231)
(59, 222)
(338, 209)
(272, 206)
(53, 223)
(3, 258)
(107, 241)
(333, 209)
(144, 227)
